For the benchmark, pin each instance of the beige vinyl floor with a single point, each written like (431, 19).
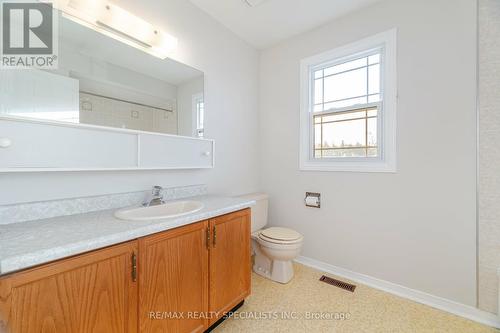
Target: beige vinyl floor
(273, 307)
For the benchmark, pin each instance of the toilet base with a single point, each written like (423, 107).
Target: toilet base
(277, 270)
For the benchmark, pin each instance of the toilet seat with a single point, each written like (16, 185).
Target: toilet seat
(279, 235)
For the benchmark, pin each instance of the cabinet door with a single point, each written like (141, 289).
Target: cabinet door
(93, 292)
(173, 280)
(229, 262)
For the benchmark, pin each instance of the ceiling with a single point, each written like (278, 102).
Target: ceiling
(272, 21)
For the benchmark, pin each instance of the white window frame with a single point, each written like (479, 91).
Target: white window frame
(386, 129)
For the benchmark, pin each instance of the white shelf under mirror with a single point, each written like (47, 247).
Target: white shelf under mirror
(51, 146)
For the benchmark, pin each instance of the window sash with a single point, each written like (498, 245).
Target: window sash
(325, 65)
(384, 43)
(343, 60)
(380, 144)
(352, 108)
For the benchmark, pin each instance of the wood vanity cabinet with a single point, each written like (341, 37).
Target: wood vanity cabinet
(179, 280)
(229, 262)
(173, 280)
(93, 292)
(194, 274)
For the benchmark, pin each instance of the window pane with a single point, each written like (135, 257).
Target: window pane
(346, 85)
(374, 79)
(317, 136)
(346, 66)
(318, 108)
(344, 134)
(374, 59)
(318, 91)
(372, 131)
(344, 103)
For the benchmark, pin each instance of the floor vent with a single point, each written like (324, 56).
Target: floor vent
(338, 283)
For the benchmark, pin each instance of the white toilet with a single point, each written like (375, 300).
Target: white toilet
(274, 248)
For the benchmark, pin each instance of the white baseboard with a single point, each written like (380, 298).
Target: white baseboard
(437, 302)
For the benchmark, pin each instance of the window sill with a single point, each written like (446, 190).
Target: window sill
(349, 166)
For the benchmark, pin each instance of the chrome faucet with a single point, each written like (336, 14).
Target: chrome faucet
(156, 197)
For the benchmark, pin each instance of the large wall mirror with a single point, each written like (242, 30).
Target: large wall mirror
(115, 101)
(105, 82)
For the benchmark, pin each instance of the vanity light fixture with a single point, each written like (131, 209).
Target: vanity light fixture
(116, 22)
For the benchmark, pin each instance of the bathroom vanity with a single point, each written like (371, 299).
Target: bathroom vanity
(72, 265)
(182, 279)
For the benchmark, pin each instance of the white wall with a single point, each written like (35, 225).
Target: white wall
(489, 153)
(232, 116)
(416, 227)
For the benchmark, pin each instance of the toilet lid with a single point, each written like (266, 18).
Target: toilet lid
(281, 234)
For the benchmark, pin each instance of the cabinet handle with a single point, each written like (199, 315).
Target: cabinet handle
(215, 236)
(208, 238)
(134, 267)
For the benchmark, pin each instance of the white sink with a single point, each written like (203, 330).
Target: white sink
(164, 211)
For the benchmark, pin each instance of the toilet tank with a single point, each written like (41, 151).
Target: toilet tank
(259, 211)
